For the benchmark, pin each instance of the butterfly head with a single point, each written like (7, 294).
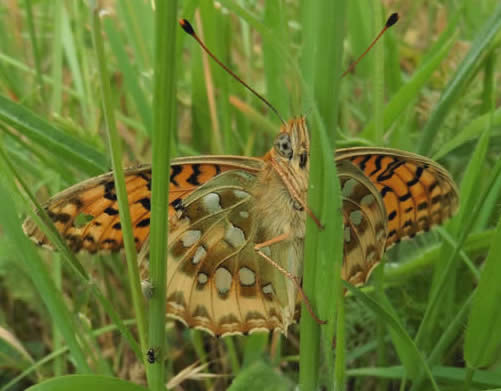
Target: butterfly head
(292, 145)
(289, 162)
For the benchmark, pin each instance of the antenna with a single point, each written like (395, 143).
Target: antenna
(390, 22)
(188, 28)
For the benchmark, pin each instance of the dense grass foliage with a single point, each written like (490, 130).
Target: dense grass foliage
(83, 90)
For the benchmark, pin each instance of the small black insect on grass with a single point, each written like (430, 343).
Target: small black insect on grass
(151, 356)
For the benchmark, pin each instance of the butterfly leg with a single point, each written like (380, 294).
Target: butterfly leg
(287, 274)
(275, 240)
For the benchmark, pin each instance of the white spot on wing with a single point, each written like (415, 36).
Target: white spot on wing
(223, 280)
(244, 214)
(240, 193)
(202, 278)
(367, 200)
(347, 234)
(356, 217)
(234, 236)
(190, 237)
(348, 187)
(247, 276)
(212, 202)
(268, 289)
(200, 253)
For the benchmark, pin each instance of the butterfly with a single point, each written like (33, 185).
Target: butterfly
(237, 224)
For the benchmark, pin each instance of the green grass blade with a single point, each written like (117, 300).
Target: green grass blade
(476, 244)
(405, 340)
(70, 51)
(39, 131)
(24, 69)
(164, 123)
(119, 179)
(462, 77)
(321, 66)
(57, 58)
(41, 279)
(274, 65)
(34, 47)
(85, 383)
(483, 332)
(452, 376)
(262, 377)
(130, 74)
(468, 134)
(410, 90)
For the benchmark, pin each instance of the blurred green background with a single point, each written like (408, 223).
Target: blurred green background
(431, 321)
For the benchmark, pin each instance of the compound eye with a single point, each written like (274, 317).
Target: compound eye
(283, 145)
(303, 159)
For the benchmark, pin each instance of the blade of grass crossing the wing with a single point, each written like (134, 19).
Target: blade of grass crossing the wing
(309, 346)
(118, 175)
(323, 26)
(309, 343)
(278, 95)
(164, 123)
(376, 57)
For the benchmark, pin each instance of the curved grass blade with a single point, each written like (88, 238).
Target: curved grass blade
(39, 131)
(462, 77)
(483, 332)
(406, 341)
(85, 383)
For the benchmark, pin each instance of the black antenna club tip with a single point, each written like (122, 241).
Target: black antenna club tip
(186, 26)
(392, 19)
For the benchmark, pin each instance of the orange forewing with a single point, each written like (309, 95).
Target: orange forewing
(86, 214)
